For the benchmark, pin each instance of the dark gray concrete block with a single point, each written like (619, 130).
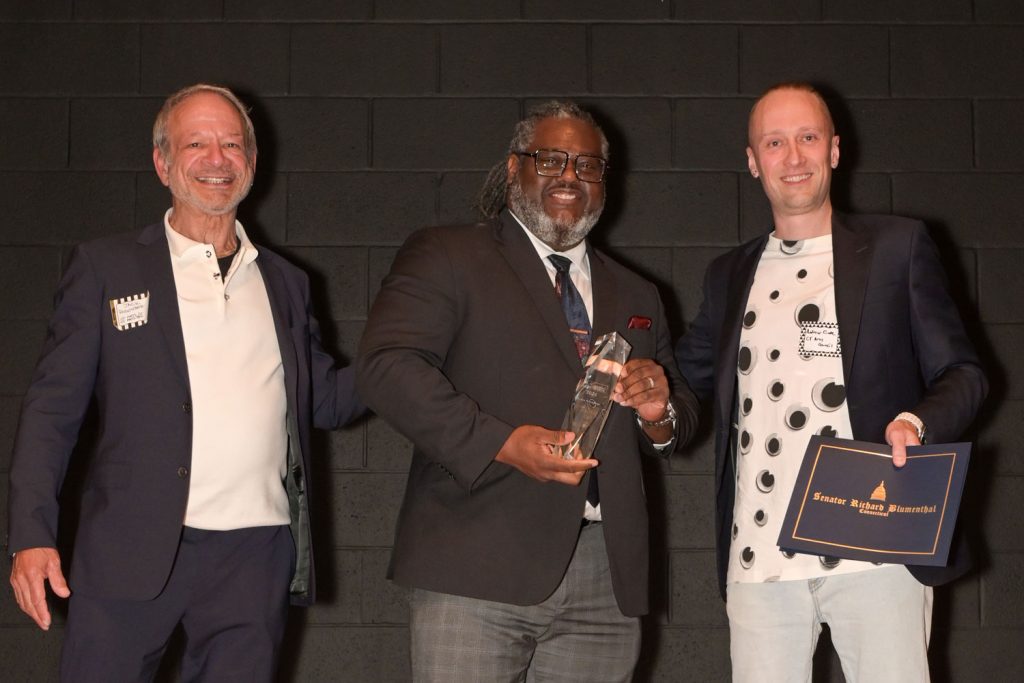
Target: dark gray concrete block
(1004, 525)
(898, 11)
(345, 447)
(338, 278)
(997, 146)
(688, 268)
(696, 601)
(356, 59)
(297, 10)
(1001, 441)
(29, 653)
(386, 449)
(380, 265)
(457, 195)
(908, 135)
(710, 134)
(998, 10)
(690, 524)
(1004, 367)
(957, 61)
(315, 134)
(28, 279)
(113, 134)
(591, 10)
(502, 59)
(673, 209)
(1001, 285)
(147, 10)
(1002, 592)
(54, 58)
(20, 343)
(352, 653)
(33, 10)
(338, 595)
(63, 207)
(444, 134)
(743, 10)
(358, 208)
(248, 58)
(690, 654)
(821, 54)
(383, 602)
(365, 507)
(974, 209)
(23, 148)
(441, 10)
(671, 59)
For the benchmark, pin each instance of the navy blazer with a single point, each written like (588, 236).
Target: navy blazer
(136, 487)
(467, 341)
(904, 348)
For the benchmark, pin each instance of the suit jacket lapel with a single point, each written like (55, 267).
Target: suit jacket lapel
(740, 279)
(605, 294)
(277, 293)
(851, 259)
(517, 249)
(155, 260)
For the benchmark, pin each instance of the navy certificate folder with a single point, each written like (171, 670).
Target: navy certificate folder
(850, 502)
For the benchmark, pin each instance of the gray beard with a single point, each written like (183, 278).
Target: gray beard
(559, 235)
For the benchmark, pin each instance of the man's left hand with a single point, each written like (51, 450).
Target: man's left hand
(900, 434)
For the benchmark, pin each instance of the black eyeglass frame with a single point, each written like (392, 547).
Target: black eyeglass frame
(565, 162)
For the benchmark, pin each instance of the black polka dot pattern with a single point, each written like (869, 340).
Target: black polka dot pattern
(828, 396)
(776, 389)
(796, 417)
(773, 445)
(747, 557)
(765, 481)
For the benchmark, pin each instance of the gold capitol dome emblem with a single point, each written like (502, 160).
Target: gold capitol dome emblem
(879, 492)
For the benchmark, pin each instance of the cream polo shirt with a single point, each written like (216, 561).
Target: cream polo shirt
(236, 379)
(787, 392)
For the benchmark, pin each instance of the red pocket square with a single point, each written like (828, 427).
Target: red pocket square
(639, 322)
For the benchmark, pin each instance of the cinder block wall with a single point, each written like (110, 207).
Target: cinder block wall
(375, 117)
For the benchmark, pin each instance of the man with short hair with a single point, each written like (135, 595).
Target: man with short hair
(206, 369)
(524, 566)
(890, 361)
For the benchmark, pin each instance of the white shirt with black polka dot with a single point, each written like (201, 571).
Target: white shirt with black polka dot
(791, 386)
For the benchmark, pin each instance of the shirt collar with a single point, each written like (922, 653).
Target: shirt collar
(578, 254)
(182, 247)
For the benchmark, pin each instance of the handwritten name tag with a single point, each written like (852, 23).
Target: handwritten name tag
(820, 339)
(130, 311)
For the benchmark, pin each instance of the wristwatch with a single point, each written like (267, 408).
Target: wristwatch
(669, 419)
(916, 422)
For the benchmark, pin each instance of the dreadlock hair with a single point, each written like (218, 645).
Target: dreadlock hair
(491, 198)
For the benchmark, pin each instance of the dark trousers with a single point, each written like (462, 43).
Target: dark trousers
(228, 590)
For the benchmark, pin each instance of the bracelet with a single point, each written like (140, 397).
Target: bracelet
(670, 417)
(915, 422)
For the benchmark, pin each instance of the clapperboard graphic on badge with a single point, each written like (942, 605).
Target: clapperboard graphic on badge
(130, 311)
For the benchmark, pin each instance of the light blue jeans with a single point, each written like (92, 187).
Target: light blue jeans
(880, 620)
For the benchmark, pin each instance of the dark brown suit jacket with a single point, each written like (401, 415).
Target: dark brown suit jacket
(467, 341)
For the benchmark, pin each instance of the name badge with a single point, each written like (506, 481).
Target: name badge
(130, 311)
(820, 339)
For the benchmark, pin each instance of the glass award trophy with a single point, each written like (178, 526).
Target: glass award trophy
(590, 406)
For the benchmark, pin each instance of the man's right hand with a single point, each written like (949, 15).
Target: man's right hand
(32, 567)
(531, 450)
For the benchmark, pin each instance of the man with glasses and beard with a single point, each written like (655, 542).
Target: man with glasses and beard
(520, 561)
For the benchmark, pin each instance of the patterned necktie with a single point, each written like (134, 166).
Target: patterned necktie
(579, 325)
(572, 306)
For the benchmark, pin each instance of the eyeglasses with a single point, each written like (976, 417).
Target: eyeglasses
(552, 162)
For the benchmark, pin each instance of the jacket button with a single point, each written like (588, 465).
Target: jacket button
(186, 407)
(182, 472)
